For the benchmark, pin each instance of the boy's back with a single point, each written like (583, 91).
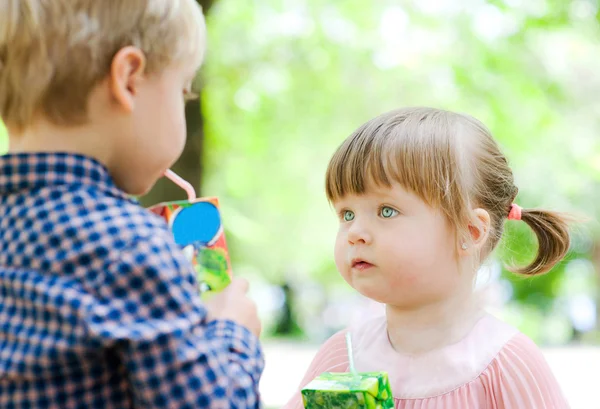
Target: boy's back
(95, 298)
(99, 308)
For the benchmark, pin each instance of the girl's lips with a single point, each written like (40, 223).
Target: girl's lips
(360, 264)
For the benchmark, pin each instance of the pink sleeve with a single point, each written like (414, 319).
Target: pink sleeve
(331, 357)
(523, 378)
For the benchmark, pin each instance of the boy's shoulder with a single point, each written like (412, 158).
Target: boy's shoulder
(96, 214)
(109, 237)
(65, 224)
(84, 227)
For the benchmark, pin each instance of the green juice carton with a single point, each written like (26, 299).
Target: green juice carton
(369, 390)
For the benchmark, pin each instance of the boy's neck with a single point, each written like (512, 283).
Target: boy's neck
(433, 326)
(46, 137)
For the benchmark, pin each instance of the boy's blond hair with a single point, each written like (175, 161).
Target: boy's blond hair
(452, 162)
(52, 53)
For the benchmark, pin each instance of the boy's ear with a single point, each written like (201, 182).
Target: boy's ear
(126, 74)
(479, 231)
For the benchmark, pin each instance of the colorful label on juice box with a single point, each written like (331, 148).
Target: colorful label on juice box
(198, 228)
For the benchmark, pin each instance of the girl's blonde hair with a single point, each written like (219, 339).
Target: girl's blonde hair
(52, 53)
(452, 162)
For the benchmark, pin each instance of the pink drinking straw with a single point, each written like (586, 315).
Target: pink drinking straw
(184, 184)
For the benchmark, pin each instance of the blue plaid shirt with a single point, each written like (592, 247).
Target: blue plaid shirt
(98, 306)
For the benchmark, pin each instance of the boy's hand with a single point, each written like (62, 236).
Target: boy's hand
(233, 304)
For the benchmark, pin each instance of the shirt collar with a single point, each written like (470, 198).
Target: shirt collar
(27, 171)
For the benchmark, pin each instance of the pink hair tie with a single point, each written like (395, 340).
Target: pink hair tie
(515, 212)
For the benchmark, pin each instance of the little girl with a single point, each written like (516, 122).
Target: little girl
(422, 196)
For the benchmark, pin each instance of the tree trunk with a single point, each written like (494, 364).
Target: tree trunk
(189, 165)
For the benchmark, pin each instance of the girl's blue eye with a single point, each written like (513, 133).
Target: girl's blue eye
(348, 216)
(387, 212)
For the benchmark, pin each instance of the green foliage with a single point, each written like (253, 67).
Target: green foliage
(287, 82)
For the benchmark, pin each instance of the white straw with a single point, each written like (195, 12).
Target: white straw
(350, 353)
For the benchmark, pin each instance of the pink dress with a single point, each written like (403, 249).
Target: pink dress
(494, 367)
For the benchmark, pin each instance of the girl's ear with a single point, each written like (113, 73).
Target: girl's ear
(478, 232)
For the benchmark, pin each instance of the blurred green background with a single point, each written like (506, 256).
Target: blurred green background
(285, 81)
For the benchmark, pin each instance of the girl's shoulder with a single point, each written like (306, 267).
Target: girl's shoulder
(439, 371)
(523, 377)
(495, 364)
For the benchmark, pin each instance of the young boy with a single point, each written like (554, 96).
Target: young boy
(98, 306)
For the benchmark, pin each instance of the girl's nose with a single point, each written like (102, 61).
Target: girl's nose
(359, 234)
